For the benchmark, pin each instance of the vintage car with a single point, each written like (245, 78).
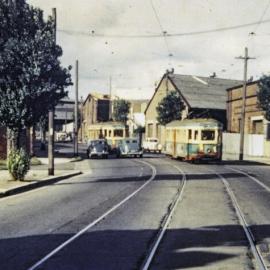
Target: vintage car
(152, 145)
(129, 147)
(97, 148)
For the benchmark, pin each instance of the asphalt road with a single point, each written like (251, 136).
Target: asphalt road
(110, 217)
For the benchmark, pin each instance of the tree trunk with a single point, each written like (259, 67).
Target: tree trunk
(32, 137)
(12, 140)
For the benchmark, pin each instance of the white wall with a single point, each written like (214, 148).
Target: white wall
(253, 145)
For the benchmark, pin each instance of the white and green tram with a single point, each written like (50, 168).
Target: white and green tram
(194, 139)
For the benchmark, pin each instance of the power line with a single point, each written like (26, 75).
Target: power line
(168, 35)
(263, 14)
(161, 28)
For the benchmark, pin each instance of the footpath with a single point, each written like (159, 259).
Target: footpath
(38, 175)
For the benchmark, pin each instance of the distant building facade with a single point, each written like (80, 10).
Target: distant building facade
(255, 123)
(257, 128)
(136, 116)
(63, 113)
(95, 109)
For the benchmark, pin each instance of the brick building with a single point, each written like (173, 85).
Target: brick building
(95, 109)
(255, 122)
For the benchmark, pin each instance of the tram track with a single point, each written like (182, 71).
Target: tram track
(257, 254)
(166, 221)
(261, 264)
(59, 248)
(251, 177)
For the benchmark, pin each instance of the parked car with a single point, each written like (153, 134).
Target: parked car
(129, 147)
(152, 145)
(98, 148)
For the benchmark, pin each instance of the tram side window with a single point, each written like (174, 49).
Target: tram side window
(208, 135)
(105, 132)
(196, 135)
(189, 134)
(118, 133)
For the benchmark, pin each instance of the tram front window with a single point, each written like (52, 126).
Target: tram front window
(208, 135)
(118, 133)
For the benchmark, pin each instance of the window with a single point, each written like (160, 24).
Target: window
(196, 135)
(189, 134)
(105, 132)
(268, 132)
(118, 133)
(257, 126)
(150, 130)
(208, 135)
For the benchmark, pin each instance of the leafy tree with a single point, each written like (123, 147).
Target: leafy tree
(264, 95)
(170, 108)
(121, 110)
(31, 78)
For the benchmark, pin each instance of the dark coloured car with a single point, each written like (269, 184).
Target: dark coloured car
(98, 148)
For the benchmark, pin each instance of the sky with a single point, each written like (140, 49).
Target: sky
(134, 42)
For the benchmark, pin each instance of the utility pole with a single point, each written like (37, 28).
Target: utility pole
(51, 116)
(110, 104)
(81, 118)
(243, 111)
(76, 110)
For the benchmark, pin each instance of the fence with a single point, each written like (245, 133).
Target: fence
(254, 145)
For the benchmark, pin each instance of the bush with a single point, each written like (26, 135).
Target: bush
(18, 164)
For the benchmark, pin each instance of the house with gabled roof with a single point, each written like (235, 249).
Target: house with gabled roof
(202, 96)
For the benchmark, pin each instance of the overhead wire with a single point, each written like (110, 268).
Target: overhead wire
(168, 35)
(160, 26)
(252, 34)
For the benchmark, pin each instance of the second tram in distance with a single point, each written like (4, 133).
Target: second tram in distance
(194, 139)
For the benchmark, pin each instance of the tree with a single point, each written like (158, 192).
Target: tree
(121, 110)
(264, 95)
(170, 108)
(31, 78)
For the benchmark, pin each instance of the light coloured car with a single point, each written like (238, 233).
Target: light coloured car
(152, 145)
(98, 148)
(129, 147)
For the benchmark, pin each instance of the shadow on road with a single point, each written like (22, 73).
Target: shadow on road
(126, 249)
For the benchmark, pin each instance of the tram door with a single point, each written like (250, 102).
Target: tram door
(174, 142)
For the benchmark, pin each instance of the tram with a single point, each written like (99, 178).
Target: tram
(194, 139)
(113, 132)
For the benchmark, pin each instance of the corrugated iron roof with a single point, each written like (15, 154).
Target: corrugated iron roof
(203, 92)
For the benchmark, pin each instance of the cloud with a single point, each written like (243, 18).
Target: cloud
(136, 63)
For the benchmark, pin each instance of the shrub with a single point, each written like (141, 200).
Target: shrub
(18, 164)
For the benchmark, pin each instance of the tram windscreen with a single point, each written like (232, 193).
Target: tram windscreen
(208, 135)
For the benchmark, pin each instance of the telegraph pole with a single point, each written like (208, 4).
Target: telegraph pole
(243, 111)
(110, 104)
(76, 110)
(51, 117)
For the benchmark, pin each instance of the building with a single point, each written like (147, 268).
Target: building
(136, 117)
(202, 96)
(255, 123)
(95, 109)
(63, 113)
(257, 128)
